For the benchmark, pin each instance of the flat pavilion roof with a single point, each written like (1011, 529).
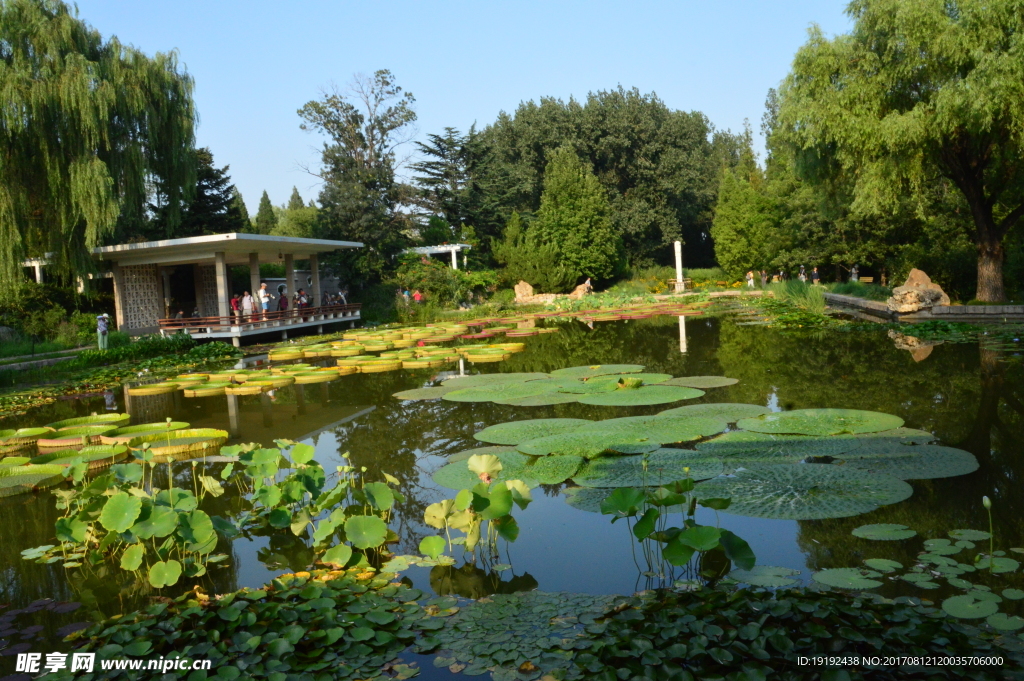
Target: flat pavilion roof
(434, 250)
(201, 249)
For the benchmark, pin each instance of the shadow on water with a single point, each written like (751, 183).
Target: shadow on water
(967, 397)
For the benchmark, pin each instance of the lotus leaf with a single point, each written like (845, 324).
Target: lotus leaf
(727, 411)
(702, 382)
(487, 380)
(542, 400)
(466, 453)
(663, 466)
(821, 422)
(645, 395)
(366, 531)
(515, 432)
(967, 607)
(551, 470)
(847, 578)
(766, 576)
(804, 491)
(969, 535)
(912, 462)
(425, 393)
(164, 573)
(884, 532)
(597, 370)
(587, 445)
(458, 476)
(120, 511)
(751, 447)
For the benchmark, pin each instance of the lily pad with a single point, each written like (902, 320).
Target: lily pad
(481, 380)
(967, 607)
(613, 379)
(586, 498)
(766, 576)
(466, 453)
(542, 400)
(884, 532)
(551, 470)
(515, 432)
(597, 370)
(644, 395)
(702, 382)
(662, 429)
(663, 466)
(969, 535)
(752, 447)
(903, 436)
(727, 411)
(804, 491)
(458, 476)
(822, 422)
(883, 564)
(502, 391)
(1003, 622)
(847, 578)
(912, 462)
(433, 393)
(574, 386)
(587, 445)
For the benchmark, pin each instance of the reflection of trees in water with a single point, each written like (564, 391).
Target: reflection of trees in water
(990, 421)
(470, 581)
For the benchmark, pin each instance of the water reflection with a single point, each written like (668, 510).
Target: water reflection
(968, 397)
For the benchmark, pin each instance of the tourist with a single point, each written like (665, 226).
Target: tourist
(750, 278)
(102, 325)
(764, 279)
(803, 274)
(417, 296)
(303, 301)
(282, 303)
(343, 296)
(248, 304)
(265, 297)
(407, 296)
(815, 277)
(855, 274)
(180, 314)
(236, 307)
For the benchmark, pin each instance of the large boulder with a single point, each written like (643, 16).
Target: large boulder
(580, 291)
(524, 292)
(918, 292)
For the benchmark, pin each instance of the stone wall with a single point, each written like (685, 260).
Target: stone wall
(141, 303)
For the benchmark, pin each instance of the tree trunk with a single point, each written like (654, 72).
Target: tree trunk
(990, 270)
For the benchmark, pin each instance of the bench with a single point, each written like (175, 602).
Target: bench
(867, 280)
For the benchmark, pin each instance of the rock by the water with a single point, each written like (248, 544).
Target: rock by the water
(579, 292)
(918, 292)
(523, 291)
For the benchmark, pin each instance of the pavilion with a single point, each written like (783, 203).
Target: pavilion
(141, 273)
(454, 249)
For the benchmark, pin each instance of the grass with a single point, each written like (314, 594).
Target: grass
(859, 290)
(805, 296)
(23, 346)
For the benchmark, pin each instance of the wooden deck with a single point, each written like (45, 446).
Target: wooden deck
(242, 326)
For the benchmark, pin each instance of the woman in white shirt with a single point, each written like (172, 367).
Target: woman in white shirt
(248, 305)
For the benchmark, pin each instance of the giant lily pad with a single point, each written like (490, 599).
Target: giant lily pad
(21, 479)
(727, 411)
(597, 370)
(613, 379)
(644, 395)
(501, 391)
(514, 432)
(917, 462)
(663, 466)
(664, 430)
(587, 445)
(551, 470)
(458, 476)
(740, 447)
(702, 382)
(482, 380)
(542, 400)
(433, 393)
(822, 422)
(804, 491)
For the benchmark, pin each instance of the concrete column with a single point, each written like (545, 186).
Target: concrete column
(679, 265)
(254, 275)
(220, 268)
(118, 302)
(455, 259)
(39, 272)
(165, 276)
(289, 276)
(314, 270)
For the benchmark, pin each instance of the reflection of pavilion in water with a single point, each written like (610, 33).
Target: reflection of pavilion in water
(682, 334)
(259, 418)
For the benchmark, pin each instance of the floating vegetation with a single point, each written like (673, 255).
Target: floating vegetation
(640, 395)
(884, 532)
(656, 468)
(515, 432)
(766, 576)
(726, 411)
(457, 475)
(587, 445)
(703, 382)
(821, 422)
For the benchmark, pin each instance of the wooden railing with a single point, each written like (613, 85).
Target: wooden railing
(259, 321)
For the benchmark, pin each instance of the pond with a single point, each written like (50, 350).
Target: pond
(967, 397)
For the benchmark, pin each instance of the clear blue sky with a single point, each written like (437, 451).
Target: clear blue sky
(256, 62)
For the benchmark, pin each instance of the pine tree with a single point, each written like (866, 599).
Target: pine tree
(238, 207)
(574, 218)
(526, 259)
(88, 125)
(444, 177)
(266, 219)
(211, 210)
(295, 201)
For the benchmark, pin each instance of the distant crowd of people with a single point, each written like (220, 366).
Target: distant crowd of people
(782, 275)
(249, 307)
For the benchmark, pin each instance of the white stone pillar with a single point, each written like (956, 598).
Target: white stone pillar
(254, 275)
(289, 274)
(314, 272)
(455, 258)
(220, 269)
(38, 267)
(118, 294)
(679, 266)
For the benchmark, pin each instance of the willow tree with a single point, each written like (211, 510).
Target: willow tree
(88, 130)
(920, 89)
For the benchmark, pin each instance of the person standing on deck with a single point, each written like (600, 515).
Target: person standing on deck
(265, 297)
(236, 307)
(102, 325)
(248, 304)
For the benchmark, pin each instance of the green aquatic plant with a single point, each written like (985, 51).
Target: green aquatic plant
(516, 432)
(821, 422)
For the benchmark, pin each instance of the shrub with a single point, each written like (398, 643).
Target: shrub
(855, 288)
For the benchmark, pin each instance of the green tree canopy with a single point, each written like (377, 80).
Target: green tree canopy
(574, 218)
(525, 258)
(266, 218)
(86, 127)
(238, 205)
(920, 89)
(211, 210)
(443, 176)
(295, 201)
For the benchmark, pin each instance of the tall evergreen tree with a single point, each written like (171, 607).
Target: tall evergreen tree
(525, 258)
(238, 205)
(295, 201)
(574, 218)
(87, 125)
(211, 210)
(266, 219)
(444, 176)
